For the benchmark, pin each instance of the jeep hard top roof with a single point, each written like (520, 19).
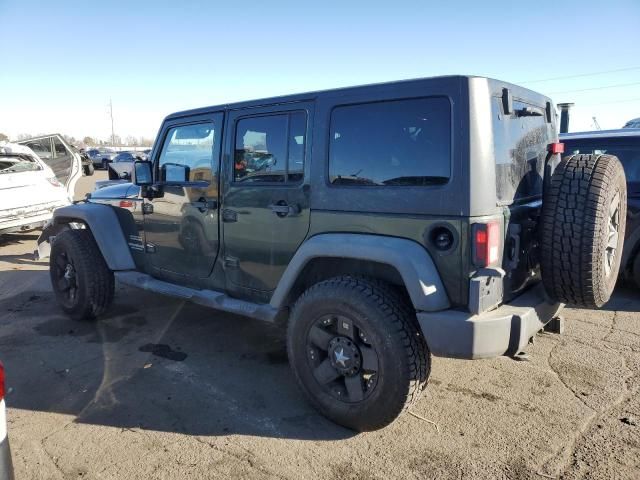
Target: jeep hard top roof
(344, 91)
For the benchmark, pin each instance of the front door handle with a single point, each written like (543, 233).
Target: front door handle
(282, 209)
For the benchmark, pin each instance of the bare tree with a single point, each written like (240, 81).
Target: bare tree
(24, 136)
(3, 137)
(89, 141)
(131, 141)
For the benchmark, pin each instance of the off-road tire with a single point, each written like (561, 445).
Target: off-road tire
(95, 282)
(403, 356)
(575, 229)
(88, 170)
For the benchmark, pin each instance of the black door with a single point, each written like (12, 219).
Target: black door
(265, 213)
(181, 226)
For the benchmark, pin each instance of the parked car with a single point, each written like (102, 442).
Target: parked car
(635, 123)
(31, 188)
(624, 144)
(121, 166)
(101, 157)
(6, 466)
(379, 225)
(87, 164)
(94, 155)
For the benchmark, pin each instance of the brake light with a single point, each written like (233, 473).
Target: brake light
(486, 243)
(126, 204)
(1, 381)
(54, 181)
(556, 148)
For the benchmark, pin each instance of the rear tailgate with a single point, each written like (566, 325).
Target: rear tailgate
(524, 127)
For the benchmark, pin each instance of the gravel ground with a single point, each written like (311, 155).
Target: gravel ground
(164, 389)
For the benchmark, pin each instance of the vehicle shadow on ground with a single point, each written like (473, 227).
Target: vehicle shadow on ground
(17, 238)
(155, 363)
(625, 298)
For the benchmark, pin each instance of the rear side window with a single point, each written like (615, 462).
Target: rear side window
(403, 142)
(520, 147)
(41, 147)
(270, 149)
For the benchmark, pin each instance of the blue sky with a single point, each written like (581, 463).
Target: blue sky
(63, 60)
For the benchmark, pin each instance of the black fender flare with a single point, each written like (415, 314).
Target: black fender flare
(104, 226)
(410, 259)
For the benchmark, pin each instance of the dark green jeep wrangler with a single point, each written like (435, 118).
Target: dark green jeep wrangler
(380, 224)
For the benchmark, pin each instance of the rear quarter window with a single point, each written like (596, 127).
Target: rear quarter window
(393, 143)
(520, 149)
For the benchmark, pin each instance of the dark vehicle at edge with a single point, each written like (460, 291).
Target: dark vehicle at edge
(624, 143)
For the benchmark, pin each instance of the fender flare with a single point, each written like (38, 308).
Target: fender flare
(105, 227)
(410, 259)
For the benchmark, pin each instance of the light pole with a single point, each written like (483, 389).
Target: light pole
(113, 137)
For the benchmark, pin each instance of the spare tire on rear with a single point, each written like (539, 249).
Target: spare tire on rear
(583, 222)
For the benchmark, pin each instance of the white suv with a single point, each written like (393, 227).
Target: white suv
(32, 187)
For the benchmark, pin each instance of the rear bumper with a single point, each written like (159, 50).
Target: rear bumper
(29, 217)
(505, 330)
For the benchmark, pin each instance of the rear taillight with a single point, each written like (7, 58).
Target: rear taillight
(54, 181)
(1, 381)
(486, 243)
(126, 204)
(557, 147)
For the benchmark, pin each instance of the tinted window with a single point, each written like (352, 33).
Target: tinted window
(60, 149)
(406, 142)
(124, 157)
(270, 148)
(520, 149)
(190, 146)
(62, 161)
(42, 148)
(629, 155)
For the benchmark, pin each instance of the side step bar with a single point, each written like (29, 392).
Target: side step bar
(207, 298)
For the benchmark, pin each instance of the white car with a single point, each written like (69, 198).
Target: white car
(32, 187)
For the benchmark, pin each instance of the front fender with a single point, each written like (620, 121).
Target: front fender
(104, 225)
(411, 260)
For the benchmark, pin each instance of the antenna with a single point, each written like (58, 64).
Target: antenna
(595, 122)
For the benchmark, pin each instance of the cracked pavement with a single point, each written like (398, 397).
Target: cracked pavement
(85, 401)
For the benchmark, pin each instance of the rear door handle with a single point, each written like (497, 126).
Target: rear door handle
(203, 204)
(281, 209)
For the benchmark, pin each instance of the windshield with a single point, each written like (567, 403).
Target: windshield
(17, 163)
(627, 151)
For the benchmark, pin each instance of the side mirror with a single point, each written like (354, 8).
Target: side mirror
(174, 173)
(142, 173)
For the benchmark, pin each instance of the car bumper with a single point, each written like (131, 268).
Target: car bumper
(503, 331)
